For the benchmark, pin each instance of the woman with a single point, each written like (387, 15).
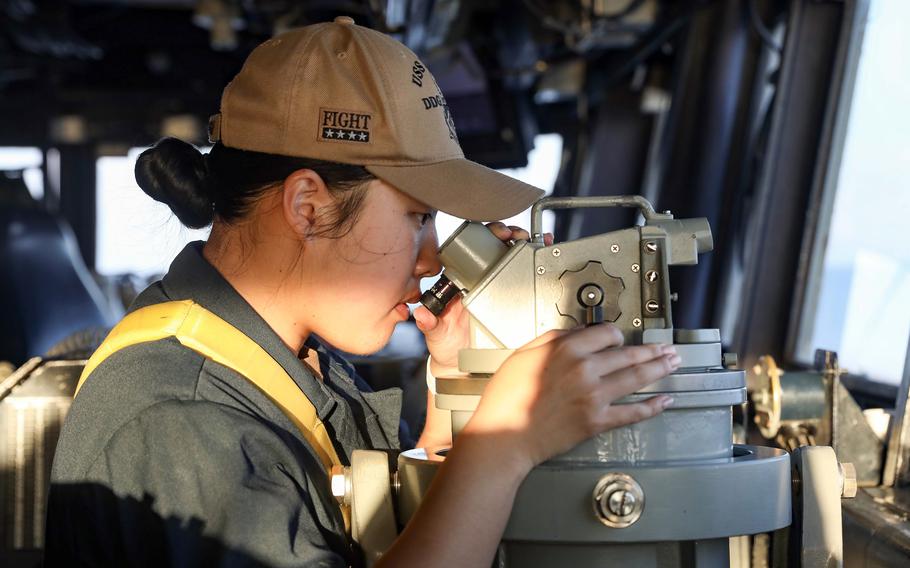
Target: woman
(333, 151)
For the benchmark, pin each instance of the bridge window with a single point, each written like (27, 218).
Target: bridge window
(135, 234)
(25, 162)
(862, 307)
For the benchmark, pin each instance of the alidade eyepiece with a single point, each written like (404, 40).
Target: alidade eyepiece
(438, 297)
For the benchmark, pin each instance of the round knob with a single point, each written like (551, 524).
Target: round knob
(590, 295)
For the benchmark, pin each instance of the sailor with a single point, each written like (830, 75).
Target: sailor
(205, 426)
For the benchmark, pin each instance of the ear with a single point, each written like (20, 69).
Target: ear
(304, 195)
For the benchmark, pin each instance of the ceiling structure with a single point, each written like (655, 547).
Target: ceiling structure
(126, 72)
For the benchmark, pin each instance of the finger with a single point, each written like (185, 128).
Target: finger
(625, 414)
(499, 229)
(425, 320)
(612, 360)
(548, 239)
(519, 234)
(632, 379)
(592, 339)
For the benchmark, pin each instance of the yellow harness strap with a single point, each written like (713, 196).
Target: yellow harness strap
(209, 335)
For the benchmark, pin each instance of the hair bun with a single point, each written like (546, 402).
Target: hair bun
(174, 173)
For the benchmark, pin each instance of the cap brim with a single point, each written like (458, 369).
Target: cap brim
(461, 188)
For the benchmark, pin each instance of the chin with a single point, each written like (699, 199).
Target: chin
(368, 341)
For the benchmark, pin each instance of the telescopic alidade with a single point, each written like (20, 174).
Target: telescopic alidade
(669, 491)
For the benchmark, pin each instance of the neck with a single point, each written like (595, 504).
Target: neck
(261, 277)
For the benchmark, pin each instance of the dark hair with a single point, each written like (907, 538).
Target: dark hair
(225, 182)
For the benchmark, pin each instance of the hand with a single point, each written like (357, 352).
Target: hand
(559, 390)
(447, 334)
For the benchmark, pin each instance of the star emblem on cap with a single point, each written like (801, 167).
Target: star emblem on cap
(330, 133)
(362, 136)
(352, 135)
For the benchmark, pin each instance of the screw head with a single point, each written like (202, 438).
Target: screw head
(651, 247)
(621, 503)
(635, 268)
(651, 276)
(556, 252)
(636, 322)
(541, 270)
(652, 306)
(614, 248)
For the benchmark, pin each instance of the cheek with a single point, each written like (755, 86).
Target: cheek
(368, 272)
(386, 250)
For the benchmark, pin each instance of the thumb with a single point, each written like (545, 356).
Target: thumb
(426, 321)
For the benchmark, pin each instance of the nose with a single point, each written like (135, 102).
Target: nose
(427, 255)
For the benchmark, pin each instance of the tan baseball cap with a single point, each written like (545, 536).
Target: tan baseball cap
(345, 93)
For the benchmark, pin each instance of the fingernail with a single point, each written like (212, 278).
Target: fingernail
(668, 350)
(666, 402)
(675, 360)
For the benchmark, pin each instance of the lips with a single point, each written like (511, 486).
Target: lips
(413, 298)
(403, 311)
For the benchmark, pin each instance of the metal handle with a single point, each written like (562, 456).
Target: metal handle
(643, 205)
